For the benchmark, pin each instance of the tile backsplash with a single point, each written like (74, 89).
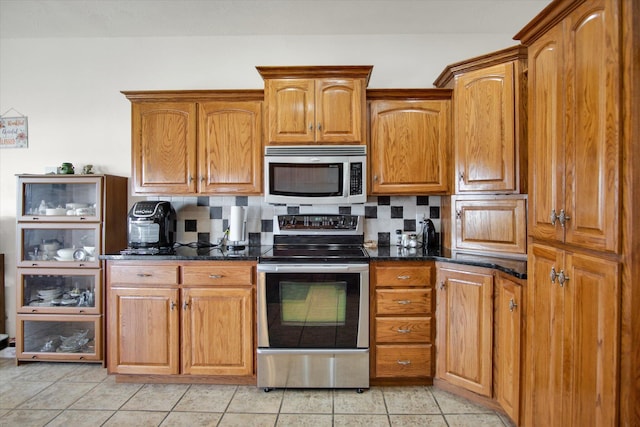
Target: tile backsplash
(204, 219)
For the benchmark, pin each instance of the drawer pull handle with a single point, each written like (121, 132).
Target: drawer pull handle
(403, 331)
(216, 276)
(404, 362)
(144, 275)
(404, 301)
(404, 277)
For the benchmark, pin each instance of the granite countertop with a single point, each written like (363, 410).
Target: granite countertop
(187, 253)
(514, 267)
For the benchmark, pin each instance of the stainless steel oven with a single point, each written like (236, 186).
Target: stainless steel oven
(313, 305)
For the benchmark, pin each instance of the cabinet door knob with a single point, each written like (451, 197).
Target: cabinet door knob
(404, 362)
(404, 301)
(553, 217)
(442, 286)
(553, 275)
(216, 276)
(512, 305)
(310, 126)
(461, 176)
(458, 214)
(319, 126)
(403, 331)
(562, 278)
(144, 275)
(172, 305)
(405, 277)
(185, 305)
(563, 217)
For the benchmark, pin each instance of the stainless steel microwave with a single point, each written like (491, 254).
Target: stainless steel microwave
(315, 174)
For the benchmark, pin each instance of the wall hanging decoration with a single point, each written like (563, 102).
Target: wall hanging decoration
(13, 130)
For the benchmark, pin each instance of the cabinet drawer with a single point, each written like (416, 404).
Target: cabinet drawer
(403, 360)
(402, 275)
(403, 301)
(217, 275)
(151, 274)
(403, 329)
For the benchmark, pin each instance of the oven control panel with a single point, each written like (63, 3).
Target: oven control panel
(315, 222)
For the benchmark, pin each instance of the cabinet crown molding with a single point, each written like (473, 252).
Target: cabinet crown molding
(513, 53)
(316, 71)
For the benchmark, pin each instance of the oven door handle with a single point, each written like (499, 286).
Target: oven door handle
(307, 268)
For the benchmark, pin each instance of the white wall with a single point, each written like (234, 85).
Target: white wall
(70, 90)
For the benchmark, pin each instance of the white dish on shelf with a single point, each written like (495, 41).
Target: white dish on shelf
(59, 258)
(56, 211)
(75, 206)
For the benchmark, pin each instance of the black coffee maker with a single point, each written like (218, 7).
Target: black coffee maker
(152, 226)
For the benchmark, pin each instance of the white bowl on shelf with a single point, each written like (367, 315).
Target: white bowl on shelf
(66, 253)
(56, 211)
(90, 250)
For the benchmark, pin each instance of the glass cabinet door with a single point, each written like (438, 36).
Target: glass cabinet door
(58, 245)
(60, 199)
(58, 337)
(59, 291)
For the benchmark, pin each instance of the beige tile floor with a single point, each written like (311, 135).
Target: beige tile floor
(69, 394)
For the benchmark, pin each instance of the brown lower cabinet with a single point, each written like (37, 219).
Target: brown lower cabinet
(479, 325)
(402, 322)
(186, 318)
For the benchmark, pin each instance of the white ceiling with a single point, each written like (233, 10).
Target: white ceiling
(158, 18)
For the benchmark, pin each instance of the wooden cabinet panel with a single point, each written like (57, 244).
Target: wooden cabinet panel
(143, 331)
(229, 147)
(402, 274)
(290, 110)
(316, 104)
(592, 310)
(143, 274)
(196, 142)
(592, 129)
(573, 328)
(485, 131)
(181, 318)
(403, 301)
(202, 275)
(403, 329)
(496, 224)
(546, 154)
(340, 109)
(164, 147)
(464, 340)
(508, 331)
(575, 131)
(217, 331)
(410, 360)
(410, 143)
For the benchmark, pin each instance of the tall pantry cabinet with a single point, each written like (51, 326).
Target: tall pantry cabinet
(582, 335)
(64, 223)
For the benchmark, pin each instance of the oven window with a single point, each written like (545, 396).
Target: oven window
(308, 180)
(319, 304)
(313, 310)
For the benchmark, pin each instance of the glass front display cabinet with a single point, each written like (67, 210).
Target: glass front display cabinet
(64, 224)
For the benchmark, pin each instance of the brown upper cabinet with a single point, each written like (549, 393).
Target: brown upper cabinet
(489, 116)
(574, 156)
(410, 141)
(196, 142)
(320, 104)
